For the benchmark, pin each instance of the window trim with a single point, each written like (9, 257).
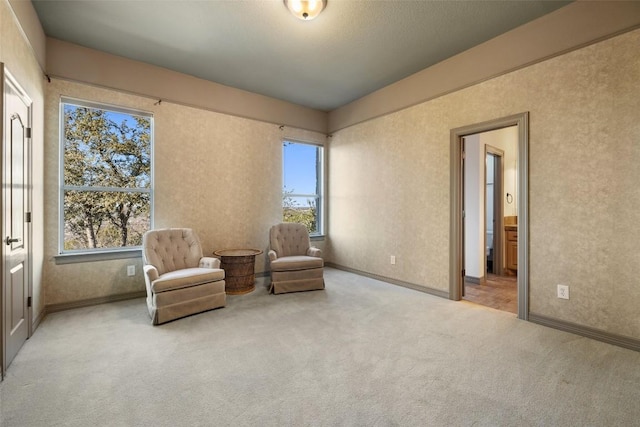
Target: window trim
(102, 255)
(320, 197)
(81, 255)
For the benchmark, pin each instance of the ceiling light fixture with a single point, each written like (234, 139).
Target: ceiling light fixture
(305, 9)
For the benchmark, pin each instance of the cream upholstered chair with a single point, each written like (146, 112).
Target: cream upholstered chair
(295, 265)
(180, 281)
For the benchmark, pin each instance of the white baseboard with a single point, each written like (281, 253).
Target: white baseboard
(477, 280)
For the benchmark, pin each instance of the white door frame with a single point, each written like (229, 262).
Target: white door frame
(456, 247)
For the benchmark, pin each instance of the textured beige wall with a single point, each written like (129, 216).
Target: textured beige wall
(30, 24)
(389, 183)
(219, 174)
(18, 56)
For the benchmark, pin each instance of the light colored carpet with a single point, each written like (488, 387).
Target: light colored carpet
(362, 352)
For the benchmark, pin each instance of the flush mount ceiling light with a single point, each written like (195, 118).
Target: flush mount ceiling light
(305, 9)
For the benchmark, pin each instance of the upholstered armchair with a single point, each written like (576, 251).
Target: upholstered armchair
(180, 281)
(295, 265)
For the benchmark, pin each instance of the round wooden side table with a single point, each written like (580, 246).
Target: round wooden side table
(239, 269)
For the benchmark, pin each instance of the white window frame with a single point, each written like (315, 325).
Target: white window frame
(319, 196)
(100, 253)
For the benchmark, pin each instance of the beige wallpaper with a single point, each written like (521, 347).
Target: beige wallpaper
(218, 174)
(389, 184)
(19, 60)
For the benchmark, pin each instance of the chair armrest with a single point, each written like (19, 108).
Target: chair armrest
(209, 262)
(273, 255)
(314, 252)
(150, 272)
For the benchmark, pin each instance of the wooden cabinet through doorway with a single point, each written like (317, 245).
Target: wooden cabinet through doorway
(511, 247)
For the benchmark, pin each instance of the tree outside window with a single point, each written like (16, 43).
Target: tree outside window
(302, 185)
(106, 177)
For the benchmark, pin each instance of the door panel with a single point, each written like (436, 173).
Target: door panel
(18, 309)
(16, 144)
(16, 276)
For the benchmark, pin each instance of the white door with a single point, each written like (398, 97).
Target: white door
(15, 236)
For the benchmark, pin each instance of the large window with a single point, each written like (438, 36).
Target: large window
(105, 179)
(302, 198)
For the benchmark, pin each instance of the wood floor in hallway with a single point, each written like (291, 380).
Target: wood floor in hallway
(499, 292)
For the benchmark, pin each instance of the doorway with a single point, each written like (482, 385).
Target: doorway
(485, 192)
(516, 174)
(15, 298)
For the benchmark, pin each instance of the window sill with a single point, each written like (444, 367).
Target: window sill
(317, 238)
(73, 258)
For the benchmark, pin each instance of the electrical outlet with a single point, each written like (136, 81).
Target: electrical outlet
(563, 291)
(393, 260)
(131, 270)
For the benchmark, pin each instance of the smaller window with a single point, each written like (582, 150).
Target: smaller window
(302, 192)
(105, 178)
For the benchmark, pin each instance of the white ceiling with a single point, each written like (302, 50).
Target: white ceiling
(352, 49)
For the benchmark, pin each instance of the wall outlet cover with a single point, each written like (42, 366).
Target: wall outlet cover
(563, 291)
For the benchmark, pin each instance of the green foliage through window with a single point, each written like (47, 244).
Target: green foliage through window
(304, 212)
(106, 188)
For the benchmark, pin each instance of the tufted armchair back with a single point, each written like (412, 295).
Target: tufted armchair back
(171, 249)
(289, 239)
